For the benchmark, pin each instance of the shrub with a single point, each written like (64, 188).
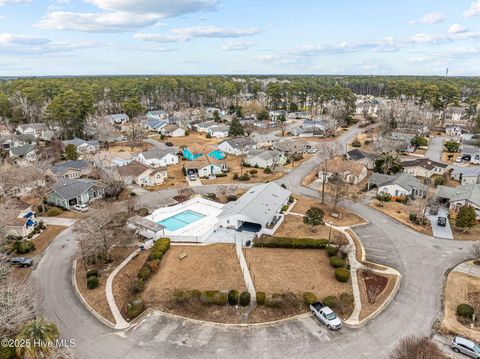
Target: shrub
(213, 297)
(245, 299)
(232, 198)
(211, 196)
(92, 273)
(309, 298)
(42, 226)
(438, 181)
(153, 265)
(285, 207)
(285, 242)
(331, 251)
(208, 135)
(186, 296)
(336, 262)
(384, 197)
(23, 246)
(235, 176)
(244, 177)
(233, 297)
(7, 352)
(261, 296)
(465, 310)
(138, 286)
(291, 199)
(253, 172)
(412, 217)
(135, 306)
(54, 211)
(274, 301)
(267, 170)
(92, 282)
(330, 301)
(142, 212)
(159, 248)
(342, 275)
(356, 144)
(144, 273)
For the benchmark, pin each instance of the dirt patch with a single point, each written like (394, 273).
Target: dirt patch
(400, 212)
(309, 178)
(175, 178)
(346, 218)
(262, 313)
(193, 137)
(473, 234)
(375, 284)
(73, 215)
(277, 270)
(367, 307)
(458, 285)
(97, 298)
(294, 227)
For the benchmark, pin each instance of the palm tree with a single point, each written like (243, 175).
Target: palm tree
(38, 331)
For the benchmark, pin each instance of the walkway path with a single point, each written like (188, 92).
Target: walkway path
(468, 268)
(57, 221)
(120, 322)
(246, 273)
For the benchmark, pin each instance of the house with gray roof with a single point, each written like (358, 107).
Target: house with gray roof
(157, 158)
(35, 129)
(27, 152)
(83, 146)
(265, 140)
(155, 125)
(70, 169)
(398, 185)
(265, 158)
(157, 115)
(118, 118)
(218, 131)
(237, 146)
(471, 154)
(69, 192)
(291, 147)
(457, 197)
(466, 175)
(259, 208)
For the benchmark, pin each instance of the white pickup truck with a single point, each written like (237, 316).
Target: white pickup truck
(326, 316)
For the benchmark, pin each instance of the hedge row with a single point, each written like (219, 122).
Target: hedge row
(159, 248)
(212, 297)
(285, 242)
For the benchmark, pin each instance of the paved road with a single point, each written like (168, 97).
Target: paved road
(422, 261)
(435, 149)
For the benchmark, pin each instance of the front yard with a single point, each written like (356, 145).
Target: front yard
(293, 227)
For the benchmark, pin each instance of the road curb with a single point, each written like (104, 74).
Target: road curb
(84, 301)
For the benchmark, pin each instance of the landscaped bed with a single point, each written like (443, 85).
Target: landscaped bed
(472, 234)
(374, 290)
(456, 289)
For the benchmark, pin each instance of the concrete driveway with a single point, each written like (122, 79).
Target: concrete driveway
(439, 231)
(195, 183)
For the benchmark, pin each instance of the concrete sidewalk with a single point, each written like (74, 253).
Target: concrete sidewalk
(468, 268)
(57, 221)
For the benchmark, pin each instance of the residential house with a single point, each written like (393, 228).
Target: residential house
(219, 131)
(349, 172)
(20, 181)
(117, 118)
(35, 129)
(457, 197)
(265, 140)
(172, 131)
(27, 152)
(141, 174)
(9, 141)
(466, 175)
(157, 158)
(402, 141)
(204, 126)
(195, 151)
(69, 192)
(82, 146)
(206, 166)
(154, 125)
(265, 158)
(211, 110)
(70, 169)
(424, 167)
(159, 115)
(237, 146)
(398, 185)
(455, 115)
(290, 148)
(453, 130)
(21, 220)
(258, 209)
(363, 157)
(471, 154)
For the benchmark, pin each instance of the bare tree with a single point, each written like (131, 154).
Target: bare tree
(414, 347)
(339, 188)
(326, 150)
(473, 298)
(476, 249)
(225, 190)
(185, 192)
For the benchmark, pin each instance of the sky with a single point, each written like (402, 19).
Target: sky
(120, 37)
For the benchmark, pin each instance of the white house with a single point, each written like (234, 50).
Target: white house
(453, 130)
(117, 118)
(219, 131)
(204, 126)
(157, 158)
(155, 125)
(141, 174)
(466, 175)
(159, 115)
(258, 209)
(472, 154)
(349, 172)
(172, 131)
(237, 146)
(27, 152)
(399, 185)
(206, 166)
(36, 129)
(265, 158)
(83, 146)
(265, 140)
(468, 194)
(424, 167)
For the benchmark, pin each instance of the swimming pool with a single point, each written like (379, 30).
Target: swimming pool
(180, 220)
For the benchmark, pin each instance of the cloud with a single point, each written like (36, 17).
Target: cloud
(95, 22)
(387, 44)
(188, 33)
(237, 45)
(5, 2)
(474, 9)
(121, 15)
(457, 29)
(430, 19)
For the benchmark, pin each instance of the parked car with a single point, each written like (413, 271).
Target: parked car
(458, 160)
(169, 144)
(21, 261)
(442, 221)
(326, 316)
(434, 209)
(465, 346)
(80, 207)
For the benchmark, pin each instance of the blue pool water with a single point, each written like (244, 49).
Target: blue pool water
(180, 220)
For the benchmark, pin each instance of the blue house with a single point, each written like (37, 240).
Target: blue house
(195, 151)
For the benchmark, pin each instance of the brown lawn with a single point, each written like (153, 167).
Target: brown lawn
(276, 270)
(293, 227)
(193, 137)
(369, 308)
(175, 178)
(347, 218)
(458, 285)
(124, 147)
(400, 212)
(44, 239)
(472, 234)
